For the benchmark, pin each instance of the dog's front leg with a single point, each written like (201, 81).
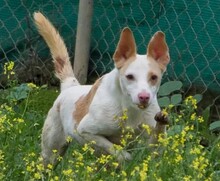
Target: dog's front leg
(103, 143)
(94, 131)
(160, 127)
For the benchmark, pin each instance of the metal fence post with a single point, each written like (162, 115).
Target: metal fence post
(81, 58)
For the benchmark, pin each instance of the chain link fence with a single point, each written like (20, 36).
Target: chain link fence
(192, 30)
(21, 43)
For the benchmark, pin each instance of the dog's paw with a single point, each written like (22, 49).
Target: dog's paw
(123, 155)
(161, 118)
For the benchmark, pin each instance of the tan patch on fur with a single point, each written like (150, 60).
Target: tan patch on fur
(158, 50)
(126, 64)
(83, 103)
(156, 70)
(152, 79)
(126, 48)
(59, 64)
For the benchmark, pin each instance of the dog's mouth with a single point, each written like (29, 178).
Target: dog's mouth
(142, 106)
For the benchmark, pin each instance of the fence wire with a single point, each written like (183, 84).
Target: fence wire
(192, 31)
(20, 42)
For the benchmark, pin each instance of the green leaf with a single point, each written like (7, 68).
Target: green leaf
(176, 99)
(176, 129)
(44, 86)
(206, 114)
(164, 101)
(215, 125)
(169, 87)
(19, 93)
(198, 97)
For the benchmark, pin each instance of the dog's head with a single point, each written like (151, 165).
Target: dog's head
(140, 75)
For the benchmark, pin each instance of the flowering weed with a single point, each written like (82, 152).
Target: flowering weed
(178, 156)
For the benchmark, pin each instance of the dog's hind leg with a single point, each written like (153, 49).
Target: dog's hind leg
(53, 143)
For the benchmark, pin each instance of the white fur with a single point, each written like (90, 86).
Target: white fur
(114, 95)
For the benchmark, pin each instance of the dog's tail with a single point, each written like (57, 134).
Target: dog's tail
(63, 68)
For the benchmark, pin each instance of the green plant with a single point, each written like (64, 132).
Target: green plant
(215, 126)
(167, 93)
(177, 156)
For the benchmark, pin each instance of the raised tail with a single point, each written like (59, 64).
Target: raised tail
(63, 67)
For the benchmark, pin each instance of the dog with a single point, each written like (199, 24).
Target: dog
(88, 112)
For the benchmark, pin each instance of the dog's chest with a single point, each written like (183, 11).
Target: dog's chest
(129, 118)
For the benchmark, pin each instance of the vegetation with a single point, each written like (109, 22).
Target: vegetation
(190, 150)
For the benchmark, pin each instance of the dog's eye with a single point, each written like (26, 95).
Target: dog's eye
(154, 77)
(130, 77)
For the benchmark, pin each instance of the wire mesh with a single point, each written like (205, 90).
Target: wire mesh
(20, 42)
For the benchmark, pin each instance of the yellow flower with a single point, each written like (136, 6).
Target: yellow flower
(67, 172)
(118, 147)
(136, 169)
(124, 116)
(178, 159)
(8, 66)
(122, 119)
(143, 172)
(208, 179)
(195, 150)
(85, 147)
(123, 142)
(29, 169)
(200, 164)
(40, 167)
(186, 128)
(191, 101)
(19, 120)
(177, 120)
(193, 117)
(123, 173)
(115, 164)
(187, 178)
(146, 128)
(56, 178)
(170, 106)
(159, 179)
(155, 153)
(200, 119)
(32, 85)
(89, 169)
(1, 155)
(112, 174)
(49, 166)
(59, 158)
(192, 128)
(54, 151)
(164, 112)
(163, 140)
(69, 139)
(37, 176)
(104, 159)
(190, 136)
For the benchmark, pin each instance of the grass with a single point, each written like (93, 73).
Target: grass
(178, 156)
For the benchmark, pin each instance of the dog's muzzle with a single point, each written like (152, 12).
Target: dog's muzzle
(142, 106)
(143, 98)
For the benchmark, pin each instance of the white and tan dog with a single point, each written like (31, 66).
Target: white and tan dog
(87, 112)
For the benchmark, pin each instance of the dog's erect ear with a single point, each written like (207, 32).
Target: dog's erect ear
(158, 49)
(126, 48)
